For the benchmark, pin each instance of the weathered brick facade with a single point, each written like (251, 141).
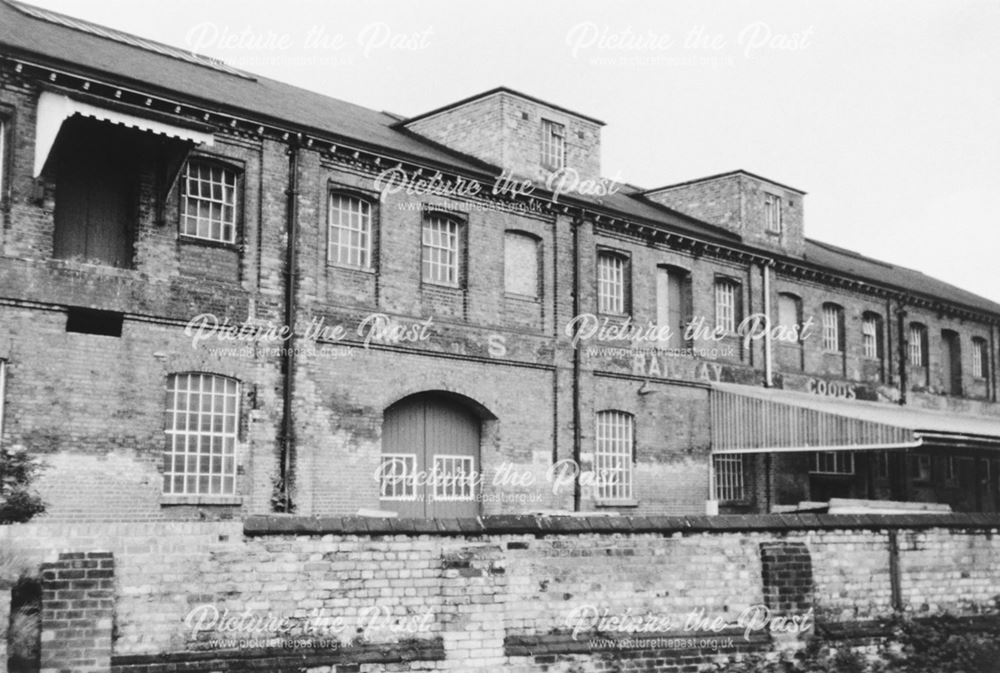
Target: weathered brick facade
(98, 408)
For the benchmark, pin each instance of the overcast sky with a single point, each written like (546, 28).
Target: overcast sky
(886, 112)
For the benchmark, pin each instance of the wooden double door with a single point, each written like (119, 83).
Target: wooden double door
(430, 458)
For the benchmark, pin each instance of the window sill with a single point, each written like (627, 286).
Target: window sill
(345, 267)
(617, 503)
(208, 243)
(526, 298)
(427, 284)
(168, 500)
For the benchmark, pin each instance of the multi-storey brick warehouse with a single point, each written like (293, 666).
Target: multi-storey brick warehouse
(223, 295)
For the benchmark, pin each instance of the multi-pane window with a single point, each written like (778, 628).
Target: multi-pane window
(441, 250)
(833, 462)
(613, 455)
(772, 213)
(729, 481)
(349, 225)
(454, 478)
(208, 204)
(918, 345)
(397, 476)
(202, 419)
(553, 145)
(980, 357)
(871, 334)
(833, 326)
(726, 304)
(520, 264)
(612, 270)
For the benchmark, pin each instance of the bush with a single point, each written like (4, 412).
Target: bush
(18, 503)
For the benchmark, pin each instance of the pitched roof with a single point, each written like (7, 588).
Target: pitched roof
(79, 46)
(89, 47)
(497, 90)
(883, 273)
(717, 176)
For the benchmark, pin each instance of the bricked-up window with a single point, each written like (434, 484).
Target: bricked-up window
(871, 334)
(202, 419)
(208, 204)
(612, 282)
(553, 145)
(772, 213)
(918, 345)
(614, 455)
(980, 358)
(520, 264)
(833, 328)
(729, 478)
(349, 224)
(728, 305)
(833, 462)
(441, 250)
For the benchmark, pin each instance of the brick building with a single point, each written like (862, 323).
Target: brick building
(466, 296)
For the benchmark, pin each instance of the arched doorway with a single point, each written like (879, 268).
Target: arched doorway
(430, 457)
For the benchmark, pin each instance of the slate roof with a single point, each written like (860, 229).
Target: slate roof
(86, 48)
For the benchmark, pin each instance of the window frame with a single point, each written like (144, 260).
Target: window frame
(614, 448)
(774, 222)
(727, 283)
(626, 281)
(549, 147)
(918, 346)
(831, 308)
(980, 358)
(433, 215)
(222, 164)
(730, 478)
(172, 412)
(834, 466)
(534, 238)
(878, 341)
(336, 191)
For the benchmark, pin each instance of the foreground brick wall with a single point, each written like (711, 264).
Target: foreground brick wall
(77, 612)
(473, 595)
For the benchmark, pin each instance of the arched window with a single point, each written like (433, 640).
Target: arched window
(614, 455)
(521, 264)
(833, 328)
(441, 257)
(872, 335)
(349, 231)
(918, 345)
(203, 412)
(980, 358)
(613, 279)
(728, 304)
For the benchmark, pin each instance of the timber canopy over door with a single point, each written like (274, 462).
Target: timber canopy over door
(95, 195)
(430, 456)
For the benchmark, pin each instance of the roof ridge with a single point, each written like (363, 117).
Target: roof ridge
(126, 38)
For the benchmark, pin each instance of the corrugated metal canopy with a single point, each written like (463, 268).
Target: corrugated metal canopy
(747, 419)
